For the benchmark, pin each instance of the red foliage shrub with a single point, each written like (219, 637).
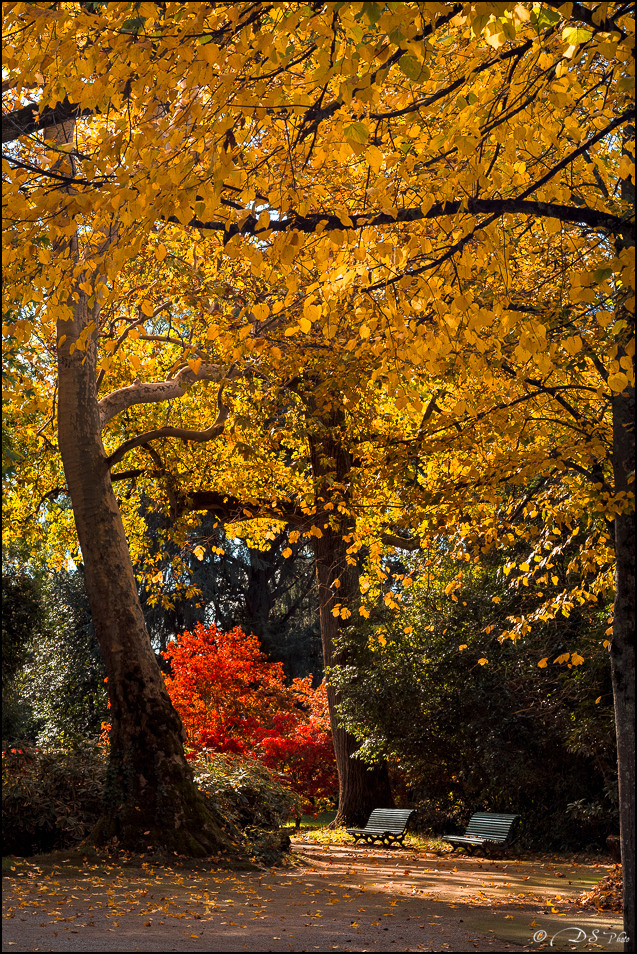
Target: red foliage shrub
(232, 700)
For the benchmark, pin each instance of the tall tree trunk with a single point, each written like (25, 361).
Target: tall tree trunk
(360, 788)
(151, 798)
(622, 652)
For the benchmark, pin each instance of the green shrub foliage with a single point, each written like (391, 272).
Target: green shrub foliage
(502, 735)
(23, 624)
(252, 799)
(50, 800)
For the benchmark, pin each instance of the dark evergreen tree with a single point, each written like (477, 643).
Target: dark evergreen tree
(62, 680)
(23, 623)
(261, 591)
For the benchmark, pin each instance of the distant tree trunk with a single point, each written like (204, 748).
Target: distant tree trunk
(151, 798)
(361, 788)
(259, 596)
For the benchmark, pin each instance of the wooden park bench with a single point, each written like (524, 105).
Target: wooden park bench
(486, 831)
(386, 825)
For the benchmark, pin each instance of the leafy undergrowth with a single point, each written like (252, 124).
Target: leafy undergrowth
(607, 894)
(52, 799)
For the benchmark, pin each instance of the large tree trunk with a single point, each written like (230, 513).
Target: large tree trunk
(622, 652)
(360, 788)
(151, 798)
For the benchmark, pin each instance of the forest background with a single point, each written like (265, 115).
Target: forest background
(358, 273)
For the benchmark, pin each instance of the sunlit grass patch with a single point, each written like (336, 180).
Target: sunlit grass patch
(313, 822)
(315, 830)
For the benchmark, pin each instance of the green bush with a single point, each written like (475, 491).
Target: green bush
(50, 800)
(248, 793)
(251, 799)
(471, 723)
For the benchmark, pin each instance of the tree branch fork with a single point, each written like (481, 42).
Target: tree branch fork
(155, 392)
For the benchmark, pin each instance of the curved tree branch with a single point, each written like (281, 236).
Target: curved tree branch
(154, 392)
(401, 543)
(184, 433)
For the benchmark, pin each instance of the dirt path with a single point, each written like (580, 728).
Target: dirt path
(333, 899)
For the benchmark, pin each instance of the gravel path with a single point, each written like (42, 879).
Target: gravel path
(332, 899)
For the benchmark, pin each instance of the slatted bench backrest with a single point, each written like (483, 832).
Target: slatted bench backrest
(493, 827)
(389, 819)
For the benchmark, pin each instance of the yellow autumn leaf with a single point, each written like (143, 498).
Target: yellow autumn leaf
(462, 646)
(543, 663)
(147, 308)
(576, 659)
(374, 157)
(260, 311)
(357, 132)
(199, 552)
(483, 661)
(563, 658)
(618, 382)
(160, 253)
(287, 552)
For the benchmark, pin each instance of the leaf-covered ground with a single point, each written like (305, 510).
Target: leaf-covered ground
(333, 897)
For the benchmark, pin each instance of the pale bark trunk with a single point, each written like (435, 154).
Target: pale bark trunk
(361, 788)
(151, 799)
